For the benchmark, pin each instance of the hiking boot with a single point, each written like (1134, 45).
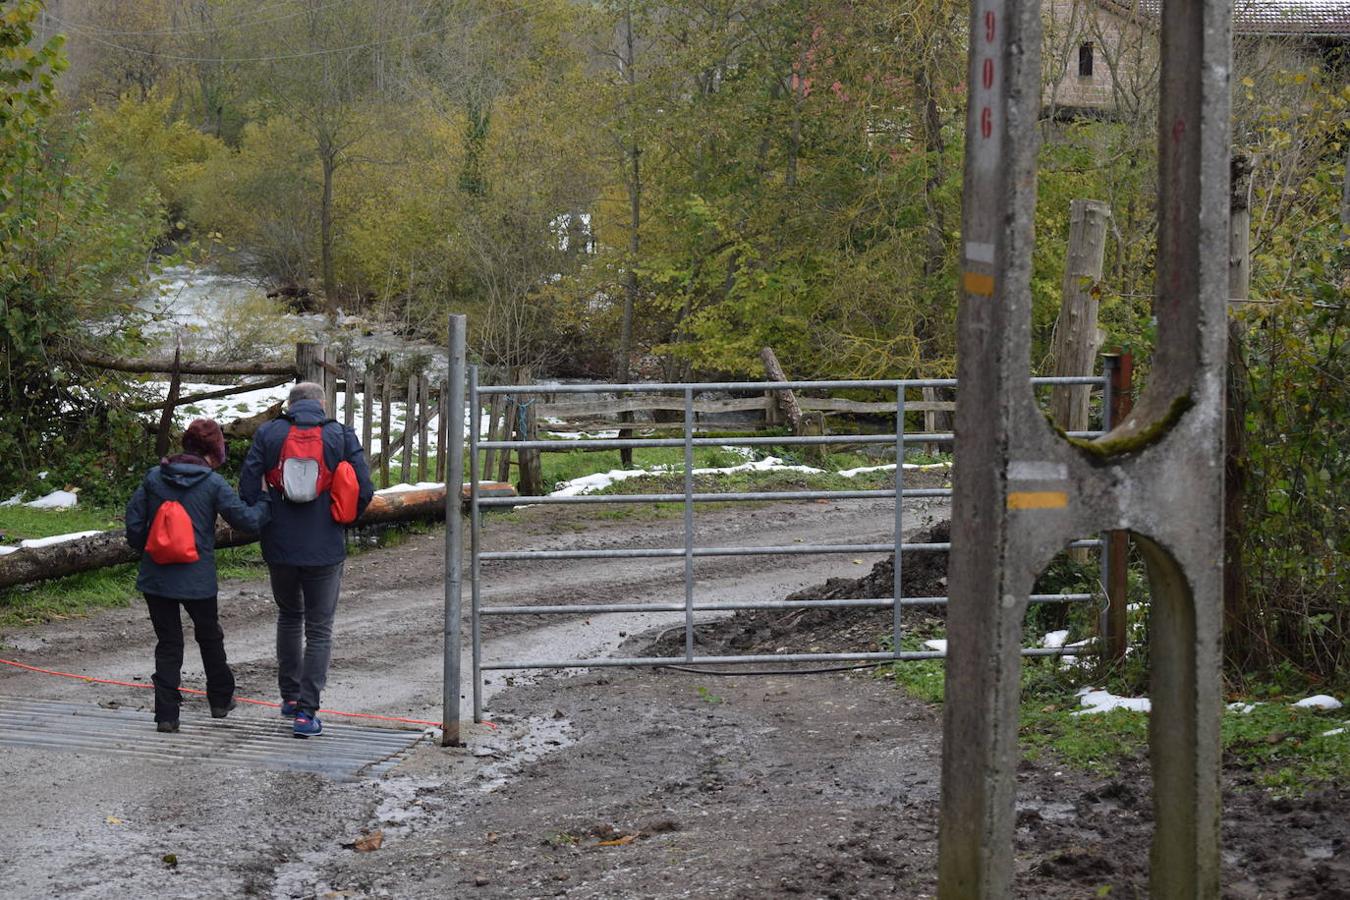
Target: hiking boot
(290, 709)
(167, 727)
(306, 725)
(220, 712)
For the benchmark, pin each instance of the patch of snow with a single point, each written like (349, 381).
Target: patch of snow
(1240, 708)
(890, 467)
(34, 543)
(1319, 701)
(1055, 639)
(1095, 701)
(600, 480)
(13, 501)
(404, 487)
(5, 551)
(1333, 732)
(42, 475)
(583, 435)
(55, 500)
(937, 644)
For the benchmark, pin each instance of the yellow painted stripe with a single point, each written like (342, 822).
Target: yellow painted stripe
(1037, 500)
(977, 283)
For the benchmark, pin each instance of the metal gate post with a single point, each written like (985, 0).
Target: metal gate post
(454, 533)
(1022, 492)
(475, 542)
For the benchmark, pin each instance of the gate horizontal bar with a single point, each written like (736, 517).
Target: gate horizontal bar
(712, 497)
(761, 658)
(702, 386)
(783, 441)
(673, 552)
(730, 606)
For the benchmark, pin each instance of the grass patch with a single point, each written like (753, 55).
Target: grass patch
(18, 523)
(1286, 748)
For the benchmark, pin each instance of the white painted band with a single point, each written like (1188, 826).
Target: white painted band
(978, 251)
(1037, 470)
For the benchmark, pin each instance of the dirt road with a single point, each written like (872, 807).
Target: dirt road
(606, 783)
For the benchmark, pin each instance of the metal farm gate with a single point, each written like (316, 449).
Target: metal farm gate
(691, 550)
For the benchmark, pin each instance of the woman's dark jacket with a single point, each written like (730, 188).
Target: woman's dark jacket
(203, 494)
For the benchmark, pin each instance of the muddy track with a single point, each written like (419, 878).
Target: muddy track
(601, 783)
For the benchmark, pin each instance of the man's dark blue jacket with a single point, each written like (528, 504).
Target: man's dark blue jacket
(202, 493)
(304, 534)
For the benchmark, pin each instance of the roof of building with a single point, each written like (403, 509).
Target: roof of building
(1305, 18)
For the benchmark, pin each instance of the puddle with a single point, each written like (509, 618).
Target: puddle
(515, 744)
(1049, 811)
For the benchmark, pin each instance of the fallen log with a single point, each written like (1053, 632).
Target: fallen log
(190, 367)
(110, 547)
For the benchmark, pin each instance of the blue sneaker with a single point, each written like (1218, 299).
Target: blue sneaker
(307, 725)
(290, 709)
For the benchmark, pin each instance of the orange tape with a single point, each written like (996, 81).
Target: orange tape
(978, 283)
(1037, 500)
(89, 679)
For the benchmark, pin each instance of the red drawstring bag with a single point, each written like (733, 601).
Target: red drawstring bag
(343, 492)
(171, 539)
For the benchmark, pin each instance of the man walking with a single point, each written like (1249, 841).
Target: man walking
(306, 461)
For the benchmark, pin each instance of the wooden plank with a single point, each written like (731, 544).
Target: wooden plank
(212, 395)
(442, 433)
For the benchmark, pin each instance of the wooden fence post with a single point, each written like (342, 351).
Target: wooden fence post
(409, 424)
(1076, 341)
(367, 407)
(442, 428)
(309, 362)
(495, 429)
(166, 418)
(423, 424)
(386, 401)
(330, 369)
(349, 396)
(531, 482)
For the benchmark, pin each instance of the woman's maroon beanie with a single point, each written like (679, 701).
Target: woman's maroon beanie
(204, 438)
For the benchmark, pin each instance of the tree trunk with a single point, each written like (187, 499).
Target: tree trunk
(110, 547)
(330, 297)
(634, 184)
(787, 400)
(1238, 627)
(166, 418)
(1076, 340)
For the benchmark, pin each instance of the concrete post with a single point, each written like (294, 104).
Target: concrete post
(1022, 492)
(453, 426)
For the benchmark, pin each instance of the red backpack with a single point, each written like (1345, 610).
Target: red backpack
(301, 473)
(171, 539)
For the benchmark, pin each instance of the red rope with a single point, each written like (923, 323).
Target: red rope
(330, 712)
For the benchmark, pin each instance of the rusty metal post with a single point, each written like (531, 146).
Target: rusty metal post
(1022, 492)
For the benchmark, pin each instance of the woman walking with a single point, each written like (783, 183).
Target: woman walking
(172, 519)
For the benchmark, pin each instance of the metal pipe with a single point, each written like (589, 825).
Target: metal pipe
(804, 440)
(735, 496)
(760, 386)
(475, 539)
(761, 658)
(688, 524)
(898, 585)
(791, 550)
(454, 534)
(734, 605)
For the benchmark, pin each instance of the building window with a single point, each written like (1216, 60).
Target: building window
(1085, 60)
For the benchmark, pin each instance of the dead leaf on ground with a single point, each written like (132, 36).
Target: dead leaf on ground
(113, 820)
(367, 842)
(621, 841)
